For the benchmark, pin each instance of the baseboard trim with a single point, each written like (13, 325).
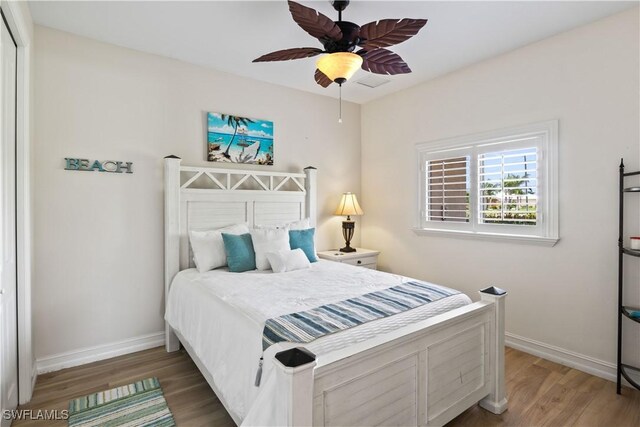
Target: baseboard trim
(99, 352)
(56, 362)
(587, 364)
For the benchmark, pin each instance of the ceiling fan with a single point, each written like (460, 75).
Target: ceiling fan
(341, 38)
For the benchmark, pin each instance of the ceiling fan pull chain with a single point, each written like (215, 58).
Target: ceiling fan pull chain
(340, 118)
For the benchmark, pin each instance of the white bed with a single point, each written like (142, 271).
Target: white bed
(420, 367)
(223, 314)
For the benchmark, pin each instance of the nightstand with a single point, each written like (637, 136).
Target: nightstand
(361, 258)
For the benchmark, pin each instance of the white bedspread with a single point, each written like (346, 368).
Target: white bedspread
(221, 315)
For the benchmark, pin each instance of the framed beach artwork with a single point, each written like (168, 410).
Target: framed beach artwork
(236, 139)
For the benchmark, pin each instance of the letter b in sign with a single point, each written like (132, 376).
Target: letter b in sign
(72, 164)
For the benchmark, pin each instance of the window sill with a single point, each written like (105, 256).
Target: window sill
(494, 237)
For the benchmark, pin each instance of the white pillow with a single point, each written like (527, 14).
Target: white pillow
(302, 224)
(268, 240)
(208, 247)
(288, 260)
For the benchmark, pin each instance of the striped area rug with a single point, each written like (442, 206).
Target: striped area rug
(135, 405)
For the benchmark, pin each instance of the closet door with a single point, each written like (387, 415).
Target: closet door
(8, 283)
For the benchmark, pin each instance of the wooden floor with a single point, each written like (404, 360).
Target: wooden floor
(540, 393)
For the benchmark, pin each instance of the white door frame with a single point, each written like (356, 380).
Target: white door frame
(21, 27)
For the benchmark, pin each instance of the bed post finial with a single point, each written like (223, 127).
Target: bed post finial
(496, 401)
(311, 201)
(171, 236)
(294, 371)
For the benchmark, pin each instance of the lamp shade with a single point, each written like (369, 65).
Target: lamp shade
(348, 205)
(339, 66)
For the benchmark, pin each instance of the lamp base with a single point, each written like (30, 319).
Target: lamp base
(347, 232)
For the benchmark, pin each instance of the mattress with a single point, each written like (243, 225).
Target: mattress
(221, 315)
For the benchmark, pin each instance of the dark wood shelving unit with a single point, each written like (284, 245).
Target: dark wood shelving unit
(624, 311)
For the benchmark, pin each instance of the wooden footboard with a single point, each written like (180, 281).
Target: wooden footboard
(423, 374)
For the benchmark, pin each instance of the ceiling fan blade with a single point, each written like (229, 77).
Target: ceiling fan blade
(288, 54)
(388, 32)
(322, 79)
(383, 61)
(314, 22)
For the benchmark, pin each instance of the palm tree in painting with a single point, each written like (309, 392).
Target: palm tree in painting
(235, 121)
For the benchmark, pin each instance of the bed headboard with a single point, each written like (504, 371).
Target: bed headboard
(201, 198)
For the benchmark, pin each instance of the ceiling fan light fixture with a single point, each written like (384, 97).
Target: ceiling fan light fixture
(339, 66)
(341, 38)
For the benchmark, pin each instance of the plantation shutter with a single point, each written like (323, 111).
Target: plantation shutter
(508, 187)
(447, 189)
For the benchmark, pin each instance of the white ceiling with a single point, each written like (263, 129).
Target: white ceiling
(227, 35)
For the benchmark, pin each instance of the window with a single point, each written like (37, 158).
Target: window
(507, 190)
(448, 189)
(497, 185)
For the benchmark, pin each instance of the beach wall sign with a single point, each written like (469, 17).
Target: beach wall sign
(113, 166)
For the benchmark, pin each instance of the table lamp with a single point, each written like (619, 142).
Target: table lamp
(348, 206)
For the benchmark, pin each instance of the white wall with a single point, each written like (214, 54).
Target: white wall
(99, 237)
(587, 78)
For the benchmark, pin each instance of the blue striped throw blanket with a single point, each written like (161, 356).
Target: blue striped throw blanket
(306, 326)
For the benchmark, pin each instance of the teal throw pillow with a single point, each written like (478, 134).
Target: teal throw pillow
(304, 239)
(240, 254)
